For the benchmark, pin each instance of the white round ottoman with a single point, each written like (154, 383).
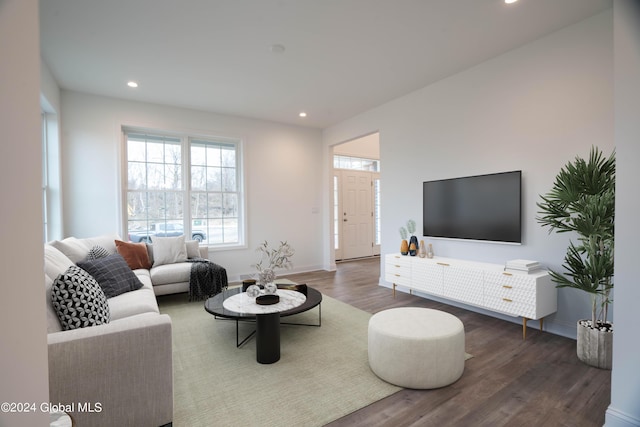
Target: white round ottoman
(416, 347)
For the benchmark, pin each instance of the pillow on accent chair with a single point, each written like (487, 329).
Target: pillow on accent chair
(97, 252)
(112, 274)
(78, 300)
(135, 254)
(169, 250)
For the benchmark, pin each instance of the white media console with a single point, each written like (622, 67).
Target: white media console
(530, 296)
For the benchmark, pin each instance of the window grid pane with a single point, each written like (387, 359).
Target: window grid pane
(214, 190)
(356, 163)
(154, 165)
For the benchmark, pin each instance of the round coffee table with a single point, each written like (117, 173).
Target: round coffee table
(267, 323)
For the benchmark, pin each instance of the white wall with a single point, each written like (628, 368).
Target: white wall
(282, 164)
(367, 147)
(23, 358)
(624, 409)
(531, 109)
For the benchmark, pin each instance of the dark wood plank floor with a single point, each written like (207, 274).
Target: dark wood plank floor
(508, 382)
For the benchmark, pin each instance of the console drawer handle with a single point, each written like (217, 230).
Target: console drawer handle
(507, 287)
(397, 266)
(397, 275)
(507, 274)
(507, 300)
(443, 264)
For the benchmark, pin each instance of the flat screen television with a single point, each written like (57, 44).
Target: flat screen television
(483, 207)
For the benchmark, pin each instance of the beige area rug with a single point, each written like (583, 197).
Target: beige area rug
(323, 373)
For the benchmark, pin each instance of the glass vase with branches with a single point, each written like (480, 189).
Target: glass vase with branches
(272, 259)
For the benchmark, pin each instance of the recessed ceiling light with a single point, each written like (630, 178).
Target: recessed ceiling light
(302, 114)
(277, 48)
(132, 84)
(510, 1)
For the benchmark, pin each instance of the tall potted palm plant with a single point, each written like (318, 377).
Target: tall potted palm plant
(582, 201)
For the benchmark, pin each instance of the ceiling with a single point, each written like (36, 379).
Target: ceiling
(341, 57)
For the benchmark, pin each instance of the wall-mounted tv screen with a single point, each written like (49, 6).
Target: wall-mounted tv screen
(484, 207)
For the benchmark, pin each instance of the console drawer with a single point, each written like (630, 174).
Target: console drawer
(510, 280)
(398, 277)
(511, 292)
(508, 306)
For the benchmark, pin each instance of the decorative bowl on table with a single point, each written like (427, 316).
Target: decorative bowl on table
(267, 299)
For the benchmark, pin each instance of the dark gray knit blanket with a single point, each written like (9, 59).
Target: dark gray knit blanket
(206, 279)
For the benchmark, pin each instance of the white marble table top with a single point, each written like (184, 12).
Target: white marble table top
(243, 303)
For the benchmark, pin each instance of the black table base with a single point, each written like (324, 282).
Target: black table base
(268, 338)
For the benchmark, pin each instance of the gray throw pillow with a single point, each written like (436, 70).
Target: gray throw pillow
(78, 300)
(112, 274)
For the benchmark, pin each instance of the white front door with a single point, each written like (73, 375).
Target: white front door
(357, 214)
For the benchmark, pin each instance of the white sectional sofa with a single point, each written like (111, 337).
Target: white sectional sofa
(121, 369)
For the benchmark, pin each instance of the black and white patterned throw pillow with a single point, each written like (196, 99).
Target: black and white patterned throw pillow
(97, 252)
(79, 300)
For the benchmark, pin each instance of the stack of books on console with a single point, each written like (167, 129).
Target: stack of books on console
(522, 266)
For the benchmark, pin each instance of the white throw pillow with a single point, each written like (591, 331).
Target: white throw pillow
(193, 248)
(168, 250)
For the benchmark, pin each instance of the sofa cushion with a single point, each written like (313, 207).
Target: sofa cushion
(55, 262)
(170, 273)
(194, 250)
(78, 300)
(113, 274)
(169, 250)
(77, 249)
(97, 252)
(133, 303)
(135, 254)
(72, 247)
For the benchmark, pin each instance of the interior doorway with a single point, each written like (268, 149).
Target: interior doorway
(356, 201)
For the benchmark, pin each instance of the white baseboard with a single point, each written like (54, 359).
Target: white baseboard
(617, 418)
(280, 273)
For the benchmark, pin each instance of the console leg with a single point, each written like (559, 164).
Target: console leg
(524, 328)
(394, 290)
(541, 319)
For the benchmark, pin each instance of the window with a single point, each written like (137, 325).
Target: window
(356, 163)
(180, 185)
(215, 204)
(45, 180)
(336, 214)
(376, 212)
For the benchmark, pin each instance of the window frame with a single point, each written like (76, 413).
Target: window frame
(185, 141)
(45, 178)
